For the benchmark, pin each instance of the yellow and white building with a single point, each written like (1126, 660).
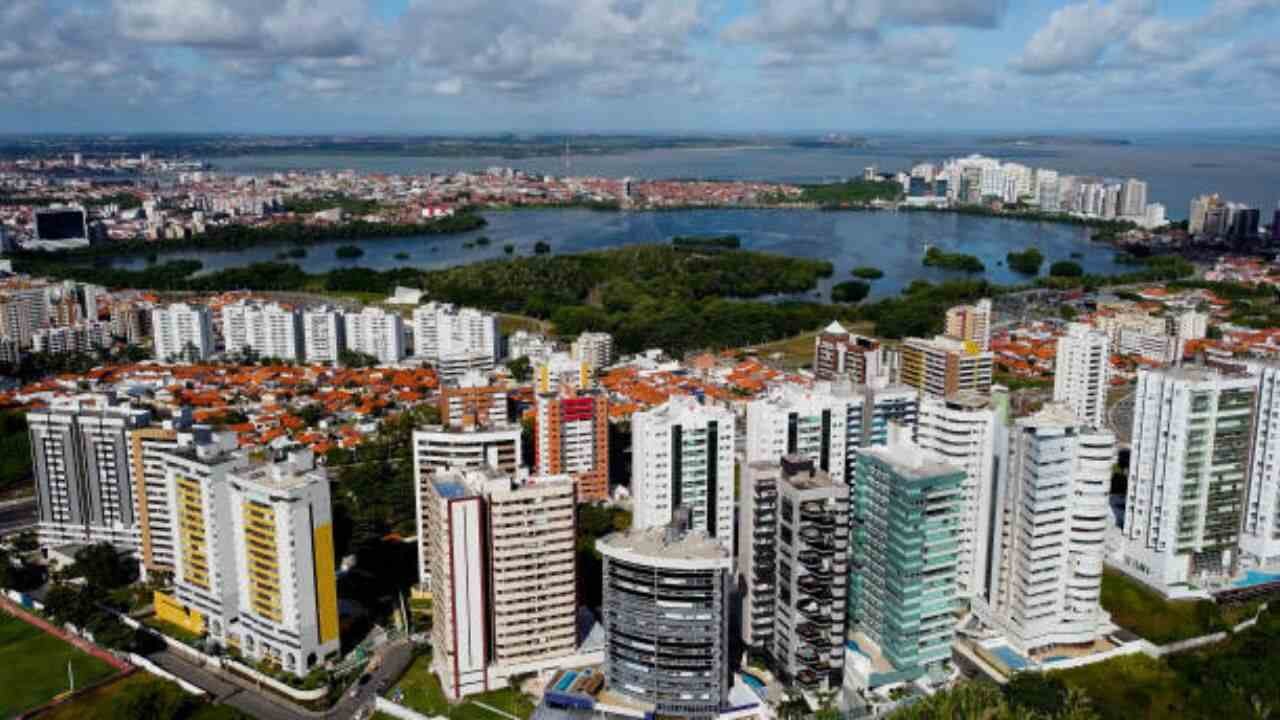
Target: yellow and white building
(254, 554)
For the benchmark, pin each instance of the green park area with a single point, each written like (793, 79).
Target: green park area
(422, 692)
(33, 666)
(140, 696)
(1144, 612)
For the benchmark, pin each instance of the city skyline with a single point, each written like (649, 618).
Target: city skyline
(412, 66)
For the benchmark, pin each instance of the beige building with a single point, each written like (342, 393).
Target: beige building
(971, 323)
(944, 366)
(502, 567)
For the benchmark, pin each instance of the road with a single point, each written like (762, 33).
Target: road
(241, 694)
(17, 516)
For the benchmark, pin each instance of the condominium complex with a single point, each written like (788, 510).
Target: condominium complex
(1044, 580)
(559, 370)
(593, 348)
(255, 555)
(502, 563)
(944, 366)
(376, 333)
(666, 619)
(80, 459)
(964, 430)
(1260, 533)
(1188, 467)
(441, 448)
(793, 541)
(683, 457)
(324, 335)
(86, 337)
(182, 333)
(262, 330)
(837, 353)
(1082, 373)
(903, 590)
(971, 323)
(456, 339)
(572, 438)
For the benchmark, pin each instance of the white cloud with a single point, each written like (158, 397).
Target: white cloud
(1078, 35)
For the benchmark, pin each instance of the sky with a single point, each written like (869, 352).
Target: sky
(475, 66)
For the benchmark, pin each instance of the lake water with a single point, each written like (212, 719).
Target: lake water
(894, 242)
(1177, 166)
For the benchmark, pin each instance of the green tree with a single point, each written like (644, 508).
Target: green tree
(1027, 262)
(1036, 692)
(520, 369)
(104, 568)
(868, 273)
(1066, 269)
(851, 291)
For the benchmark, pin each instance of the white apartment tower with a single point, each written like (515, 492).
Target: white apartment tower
(377, 333)
(442, 331)
(683, 456)
(182, 333)
(804, 422)
(265, 330)
(1260, 533)
(1192, 430)
(594, 348)
(502, 554)
(80, 459)
(964, 430)
(324, 335)
(1082, 373)
(1045, 580)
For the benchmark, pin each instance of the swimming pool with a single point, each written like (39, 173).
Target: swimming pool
(566, 681)
(1009, 657)
(1256, 577)
(756, 684)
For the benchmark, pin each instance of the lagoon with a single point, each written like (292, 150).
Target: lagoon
(895, 242)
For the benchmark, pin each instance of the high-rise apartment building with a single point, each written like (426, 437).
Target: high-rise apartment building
(1044, 580)
(683, 457)
(1082, 373)
(971, 323)
(80, 460)
(182, 333)
(837, 354)
(964, 431)
(502, 561)
(803, 422)
(944, 366)
(377, 333)
(571, 437)
(793, 534)
(666, 619)
(444, 333)
(324, 335)
(903, 591)
(1188, 466)
(254, 560)
(264, 330)
(1133, 199)
(1260, 532)
(594, 348)
(1201, 206)
(86, 337)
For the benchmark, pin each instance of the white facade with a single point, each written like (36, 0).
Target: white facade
(1260, 533)
(808, 422)
(324, 335)
(268, 331)
(682, 455)
(1187, 472)
(79, 338)
(376, 333)
(962, 430)
(80, 459)
(182, 333)
(594, 348)
(1047, 580)
(442, 330)
(1082, 373)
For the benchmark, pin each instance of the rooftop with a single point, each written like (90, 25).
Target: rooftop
(911, 461)
(663, 544)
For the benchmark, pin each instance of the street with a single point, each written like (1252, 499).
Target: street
(241, 694)
(17, 515)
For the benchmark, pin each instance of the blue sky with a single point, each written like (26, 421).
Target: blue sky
(645, 65)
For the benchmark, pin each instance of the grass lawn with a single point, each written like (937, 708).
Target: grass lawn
(797, 352)
(1133, 687)
(1016, 382)
(33, 666)
(422, 692)
(1138, 608)
(98, 704)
